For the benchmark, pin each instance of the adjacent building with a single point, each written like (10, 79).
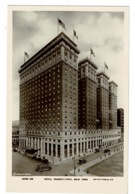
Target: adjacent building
(120, 118)
(87, 94)
(15, 133)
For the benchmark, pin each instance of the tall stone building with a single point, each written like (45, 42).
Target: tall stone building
(87, 94)
(103, 101)
(48, 95)
(49, 104)
(112, 105)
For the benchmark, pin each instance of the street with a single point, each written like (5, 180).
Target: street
(24, 165)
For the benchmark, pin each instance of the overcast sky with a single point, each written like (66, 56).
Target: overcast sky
(102, 31)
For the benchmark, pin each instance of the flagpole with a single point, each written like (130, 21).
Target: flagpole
(57, 27)
(73, 37)
(24, 57)
(90, 53)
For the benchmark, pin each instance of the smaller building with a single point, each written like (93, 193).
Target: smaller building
(15, 133)
(120, 118)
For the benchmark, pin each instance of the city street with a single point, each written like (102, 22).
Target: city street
(24, 165)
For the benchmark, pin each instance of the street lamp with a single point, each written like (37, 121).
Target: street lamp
(74, 165)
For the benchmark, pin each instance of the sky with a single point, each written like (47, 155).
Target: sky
(102, 31)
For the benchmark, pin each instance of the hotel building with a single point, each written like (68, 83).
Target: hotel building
(49, 104)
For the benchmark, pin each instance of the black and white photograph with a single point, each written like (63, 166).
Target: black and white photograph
(69, 93)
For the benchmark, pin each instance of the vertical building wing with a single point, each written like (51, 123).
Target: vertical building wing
(87, 94)
(112, 105)
(103, 101)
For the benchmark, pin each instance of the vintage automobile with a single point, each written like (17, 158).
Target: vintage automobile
(45, 161)
(14, 149)
(97, 150)
(106, 151)
(82, 161)
(43, 167)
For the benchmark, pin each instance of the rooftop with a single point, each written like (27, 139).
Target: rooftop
(104, 74)
(112, 82)
(50, 45)
(88, 61)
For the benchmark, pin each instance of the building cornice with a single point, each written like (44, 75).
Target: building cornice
(48, 47)
(87, 60)
(104, 74)
(112, 82)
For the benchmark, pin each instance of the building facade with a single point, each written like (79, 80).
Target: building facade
(87, 96)
(112, 105)
(49, 87)
(103, 101)
(49, 90)
(49, 104)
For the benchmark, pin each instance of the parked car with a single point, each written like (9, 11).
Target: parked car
(14, 150)
(107, 150)
(45, 161)
(82, 161)
(43, 167)
(97, 150)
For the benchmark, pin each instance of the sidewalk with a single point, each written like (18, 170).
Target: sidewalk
(90, 153)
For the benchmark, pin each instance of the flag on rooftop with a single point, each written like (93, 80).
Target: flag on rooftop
(26, 57)
(92, 52)
(61, 24)
(75, 34)
(105, 65)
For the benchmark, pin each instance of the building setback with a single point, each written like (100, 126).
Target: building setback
(87, 94)
(49, 104)
(112, 105)
(120, 118)
(103, 101)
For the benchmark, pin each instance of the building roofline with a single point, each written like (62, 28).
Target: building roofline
(102, 73)
(112, 82)
(120, 109)
(89, 61)
(48, 46)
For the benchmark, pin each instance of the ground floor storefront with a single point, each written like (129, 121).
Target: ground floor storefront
(25, 165)
(62, 146)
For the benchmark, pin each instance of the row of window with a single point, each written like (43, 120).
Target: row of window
(35, 68)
